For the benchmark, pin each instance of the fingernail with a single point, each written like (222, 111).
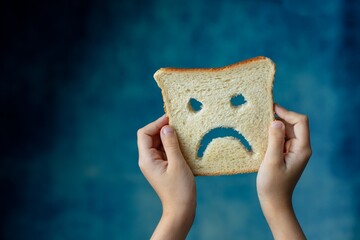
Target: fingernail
(276, 124)
(167, 130)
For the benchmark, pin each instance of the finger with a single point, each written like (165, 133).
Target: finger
(288, 116)
(289, 130)
(171, 145)
(274, 152)
(145, 135)
(297, 125)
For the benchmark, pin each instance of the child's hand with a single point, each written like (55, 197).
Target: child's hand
(163, 165)
(286, 157)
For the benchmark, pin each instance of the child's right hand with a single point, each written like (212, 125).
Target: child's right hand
(286, 157)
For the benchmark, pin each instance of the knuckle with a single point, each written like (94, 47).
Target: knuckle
(141, 164)
(304, 119)
(170, 142)
(171, 148)
(306, 152)
(277, 135)
(309, 152)
(139, 132)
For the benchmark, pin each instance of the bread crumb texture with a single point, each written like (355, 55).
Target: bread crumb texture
(214, 88)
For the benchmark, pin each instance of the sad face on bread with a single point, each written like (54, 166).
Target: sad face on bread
(221, 115)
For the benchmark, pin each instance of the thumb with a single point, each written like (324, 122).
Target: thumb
(170, 143)
(274, 152)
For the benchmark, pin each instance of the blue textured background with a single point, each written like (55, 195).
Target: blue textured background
(76, 83)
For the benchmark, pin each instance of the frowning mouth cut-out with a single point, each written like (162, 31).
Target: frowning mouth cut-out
(221, 132)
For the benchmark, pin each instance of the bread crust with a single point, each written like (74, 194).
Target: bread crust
(216, 69)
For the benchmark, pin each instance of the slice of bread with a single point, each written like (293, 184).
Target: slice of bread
(213, 90)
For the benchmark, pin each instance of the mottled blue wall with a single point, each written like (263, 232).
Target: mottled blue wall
(76, 83)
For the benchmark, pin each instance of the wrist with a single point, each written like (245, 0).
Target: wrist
(180, 213)
(282, 220)
(275, 213)
(174, 224)
(180, 208)
(276, 204)
(179, 219)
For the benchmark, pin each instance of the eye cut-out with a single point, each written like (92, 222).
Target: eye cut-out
(194, 105)
(237, 100)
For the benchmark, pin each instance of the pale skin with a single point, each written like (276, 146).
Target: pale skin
(163, 165)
